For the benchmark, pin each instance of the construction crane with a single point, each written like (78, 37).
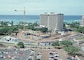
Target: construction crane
(24, 12)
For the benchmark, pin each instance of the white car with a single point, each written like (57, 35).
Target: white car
(30, 57)
(38, 57)
(51, 56)
(56, 55)
(32, 53)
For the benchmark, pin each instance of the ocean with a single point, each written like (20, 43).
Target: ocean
(36, 18)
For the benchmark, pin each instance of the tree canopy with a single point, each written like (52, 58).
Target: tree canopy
(7, 30)
(66, 43)
(55, 44)
(74, 24)
(80, 29)
(44, 29)
(72, 50)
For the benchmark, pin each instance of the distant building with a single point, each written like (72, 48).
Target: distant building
(52, 21)
(83, 20)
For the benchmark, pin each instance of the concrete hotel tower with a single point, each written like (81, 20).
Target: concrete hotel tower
(52, 21)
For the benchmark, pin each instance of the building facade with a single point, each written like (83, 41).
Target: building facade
(52, 21)
(44, 19)
(83, 20)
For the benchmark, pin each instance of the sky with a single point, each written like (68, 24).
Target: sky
(36, 7)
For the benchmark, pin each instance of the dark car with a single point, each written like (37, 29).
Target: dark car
(29, 59)
(38, 59)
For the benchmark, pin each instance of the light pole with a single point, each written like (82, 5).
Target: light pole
(24, 18)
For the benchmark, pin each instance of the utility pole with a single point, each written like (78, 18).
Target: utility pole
(24, 12)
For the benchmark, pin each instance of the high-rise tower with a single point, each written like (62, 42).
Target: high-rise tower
(52, 21)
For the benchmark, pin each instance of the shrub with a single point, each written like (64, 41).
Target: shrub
(21, 44)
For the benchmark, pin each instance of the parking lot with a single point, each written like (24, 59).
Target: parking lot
(33, 54)
(17, 54)
(6, 54)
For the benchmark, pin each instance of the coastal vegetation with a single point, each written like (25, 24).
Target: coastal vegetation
(2, 23)
(6, 29)
(80, 29)
(75, 26)
(43, 29)
(33, 26)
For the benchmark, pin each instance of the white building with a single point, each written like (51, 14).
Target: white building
(52, 21)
